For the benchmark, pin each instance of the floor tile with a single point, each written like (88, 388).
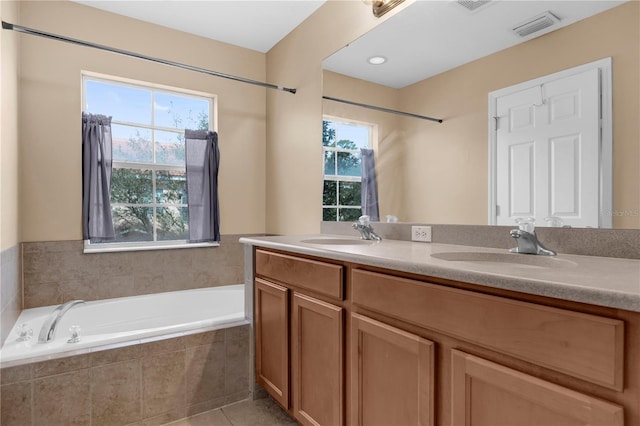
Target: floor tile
(260, 412)
(210, 418)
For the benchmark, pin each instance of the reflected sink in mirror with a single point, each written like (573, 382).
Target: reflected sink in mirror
(338, 242)
(526, 260)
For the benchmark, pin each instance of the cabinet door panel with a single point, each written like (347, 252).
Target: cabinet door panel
(488, 394)
(392, 375)
(317, 361)
(272, 340)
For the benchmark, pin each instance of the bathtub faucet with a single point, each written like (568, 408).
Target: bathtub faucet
(48, 330)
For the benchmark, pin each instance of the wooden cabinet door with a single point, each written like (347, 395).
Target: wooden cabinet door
(392, 375)
(488, 394)
(272, 339)
(317, 361)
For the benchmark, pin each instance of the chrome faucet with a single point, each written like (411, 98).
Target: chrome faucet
(366, 230)
(527, 239)
(48, 330)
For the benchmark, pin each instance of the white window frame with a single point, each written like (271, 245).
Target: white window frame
(341, 178)
(213, 123)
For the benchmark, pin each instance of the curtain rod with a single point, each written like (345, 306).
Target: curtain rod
(21, 29)
(377, 108)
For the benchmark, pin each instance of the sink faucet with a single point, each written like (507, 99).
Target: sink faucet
(48, 330)
(527, 239)
(364, 227)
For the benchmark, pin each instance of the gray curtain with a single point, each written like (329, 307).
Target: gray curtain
(96, 178)
(369, 188)
(203, 161)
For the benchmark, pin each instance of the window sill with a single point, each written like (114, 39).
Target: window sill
(122, 247)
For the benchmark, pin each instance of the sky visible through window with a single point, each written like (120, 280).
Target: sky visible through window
(133, 105)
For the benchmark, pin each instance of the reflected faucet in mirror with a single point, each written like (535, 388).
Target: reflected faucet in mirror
(366, 230)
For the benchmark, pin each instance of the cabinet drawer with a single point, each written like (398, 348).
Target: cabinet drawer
(319, 277)
(581, 345)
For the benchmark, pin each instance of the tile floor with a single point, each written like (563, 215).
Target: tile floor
(259, 412)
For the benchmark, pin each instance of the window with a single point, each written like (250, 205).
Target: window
(341, 143)
(148, 183)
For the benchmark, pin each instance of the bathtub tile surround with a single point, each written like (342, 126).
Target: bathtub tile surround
(56, 272)
(620, 243)
(152, 383)
(11, 289)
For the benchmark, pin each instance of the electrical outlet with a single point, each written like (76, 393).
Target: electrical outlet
(421, 233)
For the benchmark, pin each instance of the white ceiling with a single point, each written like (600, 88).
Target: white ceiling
(427, 38)
(256, 25)
(430, 37)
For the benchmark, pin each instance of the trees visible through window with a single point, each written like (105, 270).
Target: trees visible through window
(148, 185)
(341, 142)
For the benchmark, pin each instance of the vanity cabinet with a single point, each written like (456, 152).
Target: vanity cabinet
(317, 361)
(272, 339)
(486, 393)
(293, 324)
(370, 346)
(392, 375)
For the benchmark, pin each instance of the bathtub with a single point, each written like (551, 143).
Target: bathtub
(111, 323)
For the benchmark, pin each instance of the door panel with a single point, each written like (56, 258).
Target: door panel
(392, 375)
(272, 340)
(317, 361)
(488, 394)
(548, 152)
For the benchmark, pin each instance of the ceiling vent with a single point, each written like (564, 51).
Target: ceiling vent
(473, 5)
(535, 24)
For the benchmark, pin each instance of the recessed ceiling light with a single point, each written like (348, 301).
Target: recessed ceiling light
(377, 60)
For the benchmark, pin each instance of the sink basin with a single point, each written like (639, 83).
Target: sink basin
(338, 242)
(505, 258)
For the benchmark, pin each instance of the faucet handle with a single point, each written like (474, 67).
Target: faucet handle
(25, 332)
(364, 220)
(526, 224)
(75, 334)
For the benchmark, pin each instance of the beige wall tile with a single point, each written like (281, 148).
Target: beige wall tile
(236, 371)
(111, 356)
(161, 346)
(19, 373)
(238, 333)
(16, 404)
(205, 366)
(116, 396)
(41, 294)
(62, 400)
(8, 318)
(206, 338)
(61, 365)
(163, 383)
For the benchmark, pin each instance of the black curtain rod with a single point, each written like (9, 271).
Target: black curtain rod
(377, 108)
(21, 29)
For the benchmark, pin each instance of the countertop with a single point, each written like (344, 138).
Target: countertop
(595, 280)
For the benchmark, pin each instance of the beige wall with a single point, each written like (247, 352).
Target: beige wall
(389, 140)
(9, 165)
(456, 151)
(294, 126)
(51, 104)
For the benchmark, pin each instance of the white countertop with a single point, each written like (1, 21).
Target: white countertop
(599, 281)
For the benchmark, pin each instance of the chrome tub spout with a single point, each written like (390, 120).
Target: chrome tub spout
(48, 330)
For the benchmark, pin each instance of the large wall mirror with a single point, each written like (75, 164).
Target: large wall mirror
(443, 59)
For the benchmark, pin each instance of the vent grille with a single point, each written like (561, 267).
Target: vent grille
(472, 5)
(536, 24)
